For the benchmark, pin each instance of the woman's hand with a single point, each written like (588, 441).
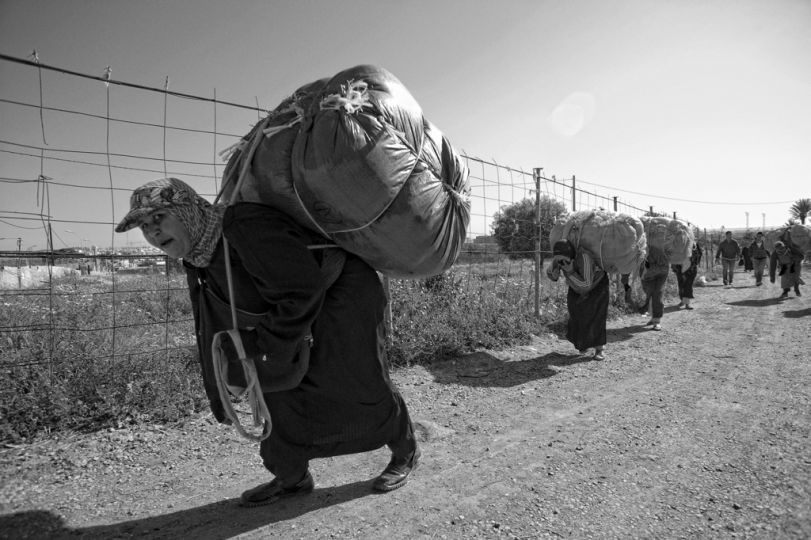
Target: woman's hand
(567, 266)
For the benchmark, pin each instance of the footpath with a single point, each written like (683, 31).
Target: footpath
(701, 430)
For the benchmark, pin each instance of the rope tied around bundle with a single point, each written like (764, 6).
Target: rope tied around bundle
(352, 98)
(294, 107)
(226, 153)
(252, 392)
(269, 131)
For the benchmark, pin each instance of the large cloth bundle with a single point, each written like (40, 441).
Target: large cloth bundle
(269, 178)
(615, 241)
(353, 158)
(674, 237)
(798, 234)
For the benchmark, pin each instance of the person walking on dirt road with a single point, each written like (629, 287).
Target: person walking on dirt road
(311, 321)
(729, 252)
(685, 278)
(760, 256)
(587, 298)
(787, 258)
(653, 275)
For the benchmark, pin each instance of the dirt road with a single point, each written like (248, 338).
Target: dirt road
(698, 431)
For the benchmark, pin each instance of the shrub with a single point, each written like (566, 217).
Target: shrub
(83, 357)
(76, 359)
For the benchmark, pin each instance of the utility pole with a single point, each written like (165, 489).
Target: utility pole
(764, 222)
(747, 220)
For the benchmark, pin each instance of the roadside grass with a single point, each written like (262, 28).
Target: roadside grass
(76, 356)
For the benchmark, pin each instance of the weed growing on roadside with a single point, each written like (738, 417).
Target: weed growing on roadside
(83, 358)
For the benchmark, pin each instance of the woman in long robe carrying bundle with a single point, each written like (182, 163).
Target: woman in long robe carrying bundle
(685, 278)
(342, 401)
(786, 262)
(587, 298)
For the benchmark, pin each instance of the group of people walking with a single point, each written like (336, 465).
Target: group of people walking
(785, 262)
(588, 297)
(312, 320)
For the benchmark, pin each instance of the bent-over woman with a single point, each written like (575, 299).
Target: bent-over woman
(786, 261)
(344, 401)
(587, 298)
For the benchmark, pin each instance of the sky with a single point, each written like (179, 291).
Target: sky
(701, 107)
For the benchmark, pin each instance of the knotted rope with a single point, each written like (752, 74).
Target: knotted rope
(252, 391)
(353, 97)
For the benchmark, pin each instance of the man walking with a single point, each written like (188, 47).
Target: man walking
(760, 256)
(729, 252)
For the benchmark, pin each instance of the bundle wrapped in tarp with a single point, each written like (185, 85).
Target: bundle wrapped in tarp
(269, 179)
(353, 158)
(674, 237)
(798, 234)
(615, 241)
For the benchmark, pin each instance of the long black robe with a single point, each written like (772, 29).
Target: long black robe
(346, 401)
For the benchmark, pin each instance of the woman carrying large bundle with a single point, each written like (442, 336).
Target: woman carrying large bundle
(310, 320)
(786, 261)
(587, 298)
(686, 277)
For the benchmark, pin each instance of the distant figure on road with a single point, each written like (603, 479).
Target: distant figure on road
(729, 252)
(760, 256)
(685, 278)
(747, 258)
(587, 299)
(787, 262)
(653, 273)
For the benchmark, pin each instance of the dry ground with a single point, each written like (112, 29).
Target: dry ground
(698, 431)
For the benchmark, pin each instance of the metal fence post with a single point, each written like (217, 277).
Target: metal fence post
(536, 172)
(707, 251)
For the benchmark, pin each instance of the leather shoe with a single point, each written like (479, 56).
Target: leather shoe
(396, 473)
(273, 491)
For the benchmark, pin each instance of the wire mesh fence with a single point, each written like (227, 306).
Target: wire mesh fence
(75, 146)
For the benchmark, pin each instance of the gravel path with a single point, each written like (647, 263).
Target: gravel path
(698, 431)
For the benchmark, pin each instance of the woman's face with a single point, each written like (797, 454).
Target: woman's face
(165, 232)
(562, 260)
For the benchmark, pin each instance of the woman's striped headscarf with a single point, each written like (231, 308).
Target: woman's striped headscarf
(202, 220)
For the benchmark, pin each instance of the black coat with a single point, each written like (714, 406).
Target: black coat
(345, 402)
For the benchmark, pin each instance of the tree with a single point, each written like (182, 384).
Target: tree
(515, 227)
(800, 209)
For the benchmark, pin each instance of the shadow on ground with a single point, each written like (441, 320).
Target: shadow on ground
(483, 369)
(755, 303)
(224, 519)
(616, 335)
(797, 313)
